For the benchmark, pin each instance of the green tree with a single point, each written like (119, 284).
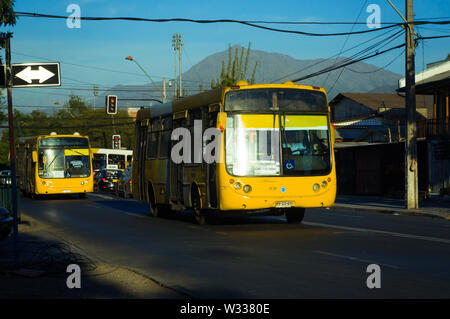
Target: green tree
(236, 69)
(7, 15)
(75, 116)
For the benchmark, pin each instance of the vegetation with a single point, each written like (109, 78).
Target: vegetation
(236, 70)
(7, 15)
(74, 116)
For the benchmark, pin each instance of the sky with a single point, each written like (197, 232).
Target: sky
(85, 52)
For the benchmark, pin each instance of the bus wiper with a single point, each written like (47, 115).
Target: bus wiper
(52, 161)
(76, 152)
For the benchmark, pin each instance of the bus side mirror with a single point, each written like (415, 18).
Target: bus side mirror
(34, 156)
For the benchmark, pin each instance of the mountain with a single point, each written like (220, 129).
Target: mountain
(273, 67)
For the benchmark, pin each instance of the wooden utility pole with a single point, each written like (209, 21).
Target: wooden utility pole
(411, 165)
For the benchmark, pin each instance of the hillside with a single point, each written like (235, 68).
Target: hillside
(358, 77)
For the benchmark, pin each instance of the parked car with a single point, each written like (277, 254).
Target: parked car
(6, 223)
(124, 184)
(106, 179)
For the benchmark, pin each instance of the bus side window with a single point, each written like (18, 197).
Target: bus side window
(152, 146)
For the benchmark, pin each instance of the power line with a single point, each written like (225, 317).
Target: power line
(333, 56)
(379, 69)
(353, 59)
(398, 34)
(250, 24)
(343, 45)
(348, 63)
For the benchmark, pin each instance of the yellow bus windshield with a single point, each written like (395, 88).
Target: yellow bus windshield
(252, 145)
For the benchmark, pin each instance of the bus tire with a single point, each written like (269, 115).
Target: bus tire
(199, 215)
(154, 209)
(294, 215)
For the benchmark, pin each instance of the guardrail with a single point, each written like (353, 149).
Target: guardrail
(6, 194)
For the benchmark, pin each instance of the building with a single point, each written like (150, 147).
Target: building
(435, 82)
(373, 118)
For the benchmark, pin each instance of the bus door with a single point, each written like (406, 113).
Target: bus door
(211, 121)
(142, 139)
(176, 171)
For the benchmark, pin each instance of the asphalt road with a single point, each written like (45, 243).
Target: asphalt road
(259, 257)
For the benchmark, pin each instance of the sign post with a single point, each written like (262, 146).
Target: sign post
(22, 75)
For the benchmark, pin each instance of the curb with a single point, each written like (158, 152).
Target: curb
(388, 210)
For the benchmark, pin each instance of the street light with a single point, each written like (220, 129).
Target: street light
(130, 58)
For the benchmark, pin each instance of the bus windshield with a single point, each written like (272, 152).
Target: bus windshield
(63, 163)
(253, 145)
(276, 99)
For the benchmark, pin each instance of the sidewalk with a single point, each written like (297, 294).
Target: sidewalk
(431, 208)
(36, 268)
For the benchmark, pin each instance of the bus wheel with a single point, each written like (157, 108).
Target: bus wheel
(294, 215)
(199, 215)
(154, 211)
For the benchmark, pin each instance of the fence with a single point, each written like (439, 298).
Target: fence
(433, 128)
(6, 194)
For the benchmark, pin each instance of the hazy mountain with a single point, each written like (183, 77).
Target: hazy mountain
(272, 67)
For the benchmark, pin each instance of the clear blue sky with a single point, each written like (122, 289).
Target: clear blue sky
(105, 44)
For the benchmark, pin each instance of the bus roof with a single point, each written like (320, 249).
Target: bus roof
(210, 97)
(111, 151)
(29, 139)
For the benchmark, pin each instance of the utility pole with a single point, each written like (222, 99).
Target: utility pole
(12, 154)
(95, 91)
(411, 165)
(177, 43)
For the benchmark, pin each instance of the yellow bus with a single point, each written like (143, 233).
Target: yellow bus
(54, 164)
(273, 152)
(111, 158)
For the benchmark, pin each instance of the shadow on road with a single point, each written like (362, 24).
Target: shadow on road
(35, 267)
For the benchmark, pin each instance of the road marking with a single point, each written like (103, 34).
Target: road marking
(95, 206)
(381, 232)
(365, 261)
(102, 196)
(137, 215)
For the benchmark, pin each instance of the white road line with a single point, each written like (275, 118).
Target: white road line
(381, 232)
(102, 196)
(95, 206)
(137, 215)
(365, 261)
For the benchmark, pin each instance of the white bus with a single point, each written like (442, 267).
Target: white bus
(111, 158)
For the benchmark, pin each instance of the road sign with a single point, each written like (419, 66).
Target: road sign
(33, 74)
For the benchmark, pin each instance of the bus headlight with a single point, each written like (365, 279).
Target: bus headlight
(82, 183)
(237, 186)
(316, 187)
(324, 184)
(247, 188)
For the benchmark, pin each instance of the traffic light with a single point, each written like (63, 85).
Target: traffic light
(111, 104)
(116, 142)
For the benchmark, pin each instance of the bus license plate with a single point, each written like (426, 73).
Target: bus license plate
(283, 204)
(66, 191)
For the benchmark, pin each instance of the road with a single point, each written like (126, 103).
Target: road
(259, 257)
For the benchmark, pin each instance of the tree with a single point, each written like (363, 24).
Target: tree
(236, 70)
(7, 15)
(76, 116)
